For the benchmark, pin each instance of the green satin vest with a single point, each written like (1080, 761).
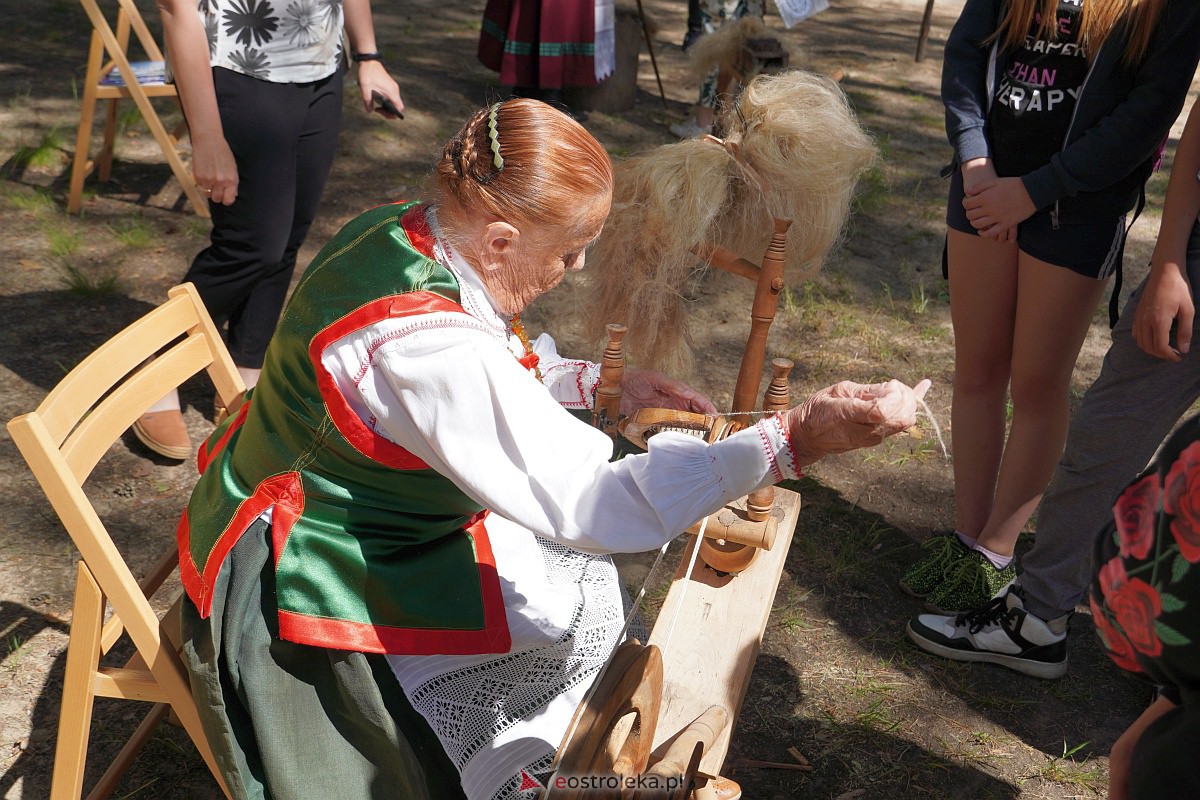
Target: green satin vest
(374, 551)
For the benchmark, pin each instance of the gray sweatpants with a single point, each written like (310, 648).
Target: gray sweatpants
(1124, 417)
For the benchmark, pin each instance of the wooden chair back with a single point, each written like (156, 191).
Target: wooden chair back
(112, 76)
(62, 441)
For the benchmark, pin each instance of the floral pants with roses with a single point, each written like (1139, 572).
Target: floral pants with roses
(1146, 606)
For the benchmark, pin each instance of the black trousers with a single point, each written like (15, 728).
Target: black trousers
(283, 137)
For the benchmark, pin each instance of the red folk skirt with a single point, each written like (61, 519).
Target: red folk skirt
(542, 44)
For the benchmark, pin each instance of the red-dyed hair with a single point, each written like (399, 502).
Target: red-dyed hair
(553, 168)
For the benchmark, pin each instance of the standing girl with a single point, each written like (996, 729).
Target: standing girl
(1057, 111)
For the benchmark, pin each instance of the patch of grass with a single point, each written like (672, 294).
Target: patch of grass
(133, 232)
(102, 284)
(877, 717)
(871, 193)
(1065, 769)
(46, 153)
(36, 200)
(13, 652)
(63, 243)
(197, 228)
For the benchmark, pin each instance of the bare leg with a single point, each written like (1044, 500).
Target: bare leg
(983, 298)
(1054, 310)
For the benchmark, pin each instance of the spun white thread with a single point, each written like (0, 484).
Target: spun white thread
(937, 431)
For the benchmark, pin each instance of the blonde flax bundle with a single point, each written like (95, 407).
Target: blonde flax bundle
(797, 131)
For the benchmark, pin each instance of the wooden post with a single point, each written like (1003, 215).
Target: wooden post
(923, 36)
(607, 411)
(766, 299)
(776, 398)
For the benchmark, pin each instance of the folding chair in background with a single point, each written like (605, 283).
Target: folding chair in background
(113, 77)
(62, 441)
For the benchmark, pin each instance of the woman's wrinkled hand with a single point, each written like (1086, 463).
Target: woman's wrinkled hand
(643, 388)
(847, 416)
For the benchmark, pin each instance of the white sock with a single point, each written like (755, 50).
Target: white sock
(168, 403)
(998, 561)
(249, 376)
(969, 541)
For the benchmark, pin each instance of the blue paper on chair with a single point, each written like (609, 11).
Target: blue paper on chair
(144, 72)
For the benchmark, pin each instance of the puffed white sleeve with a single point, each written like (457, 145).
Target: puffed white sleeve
(572, 382)
(459, 400)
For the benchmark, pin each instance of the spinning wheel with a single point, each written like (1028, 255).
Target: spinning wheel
(610, 737)
(603, 738)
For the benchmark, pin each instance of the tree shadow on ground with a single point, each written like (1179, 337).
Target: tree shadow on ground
(866, 761)
(844, 568)
(168, 767)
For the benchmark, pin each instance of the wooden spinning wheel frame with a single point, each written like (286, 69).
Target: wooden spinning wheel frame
(666, 708)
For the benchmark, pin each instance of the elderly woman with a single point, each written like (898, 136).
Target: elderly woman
(395, 555)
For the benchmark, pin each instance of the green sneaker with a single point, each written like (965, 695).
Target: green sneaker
(926, 575)
(972, 584)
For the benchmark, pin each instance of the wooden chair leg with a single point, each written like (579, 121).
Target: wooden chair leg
(105, 158)
(79, 695)
(120, 765)
(83, 139)
(182, 173)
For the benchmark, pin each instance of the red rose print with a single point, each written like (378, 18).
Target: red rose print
(1136, 512)
(1186, 525)
(1182, 478)
(1136, 605)
(1119, 648)
(1112, 577)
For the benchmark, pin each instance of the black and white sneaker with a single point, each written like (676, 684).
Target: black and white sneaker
(1000, 632)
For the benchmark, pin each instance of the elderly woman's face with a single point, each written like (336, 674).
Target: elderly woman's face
(543, 262)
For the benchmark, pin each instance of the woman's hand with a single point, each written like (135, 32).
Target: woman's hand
(215, 169)
(372, 77)
(643, 388)
(995, 207)
(847, 416)
(1166, 300)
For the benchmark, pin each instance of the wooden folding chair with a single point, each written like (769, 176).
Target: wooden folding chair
(62, 441)
(112, 76)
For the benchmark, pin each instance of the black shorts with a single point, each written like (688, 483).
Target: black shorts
(1092, 249)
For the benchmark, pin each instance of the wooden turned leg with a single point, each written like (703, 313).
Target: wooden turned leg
(607, 411)
(776, 398)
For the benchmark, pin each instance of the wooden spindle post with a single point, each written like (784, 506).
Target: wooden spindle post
(766, 299)
(612, 370)
(776, 398)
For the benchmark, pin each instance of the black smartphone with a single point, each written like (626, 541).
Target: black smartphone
(387, 105)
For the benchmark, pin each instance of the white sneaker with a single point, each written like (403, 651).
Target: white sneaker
(1000, 632)
(689, 129)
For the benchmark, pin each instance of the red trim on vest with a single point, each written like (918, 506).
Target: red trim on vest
(416, 227)
(204, 455)
(364, 637)
(348, 423)
(282, 491)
